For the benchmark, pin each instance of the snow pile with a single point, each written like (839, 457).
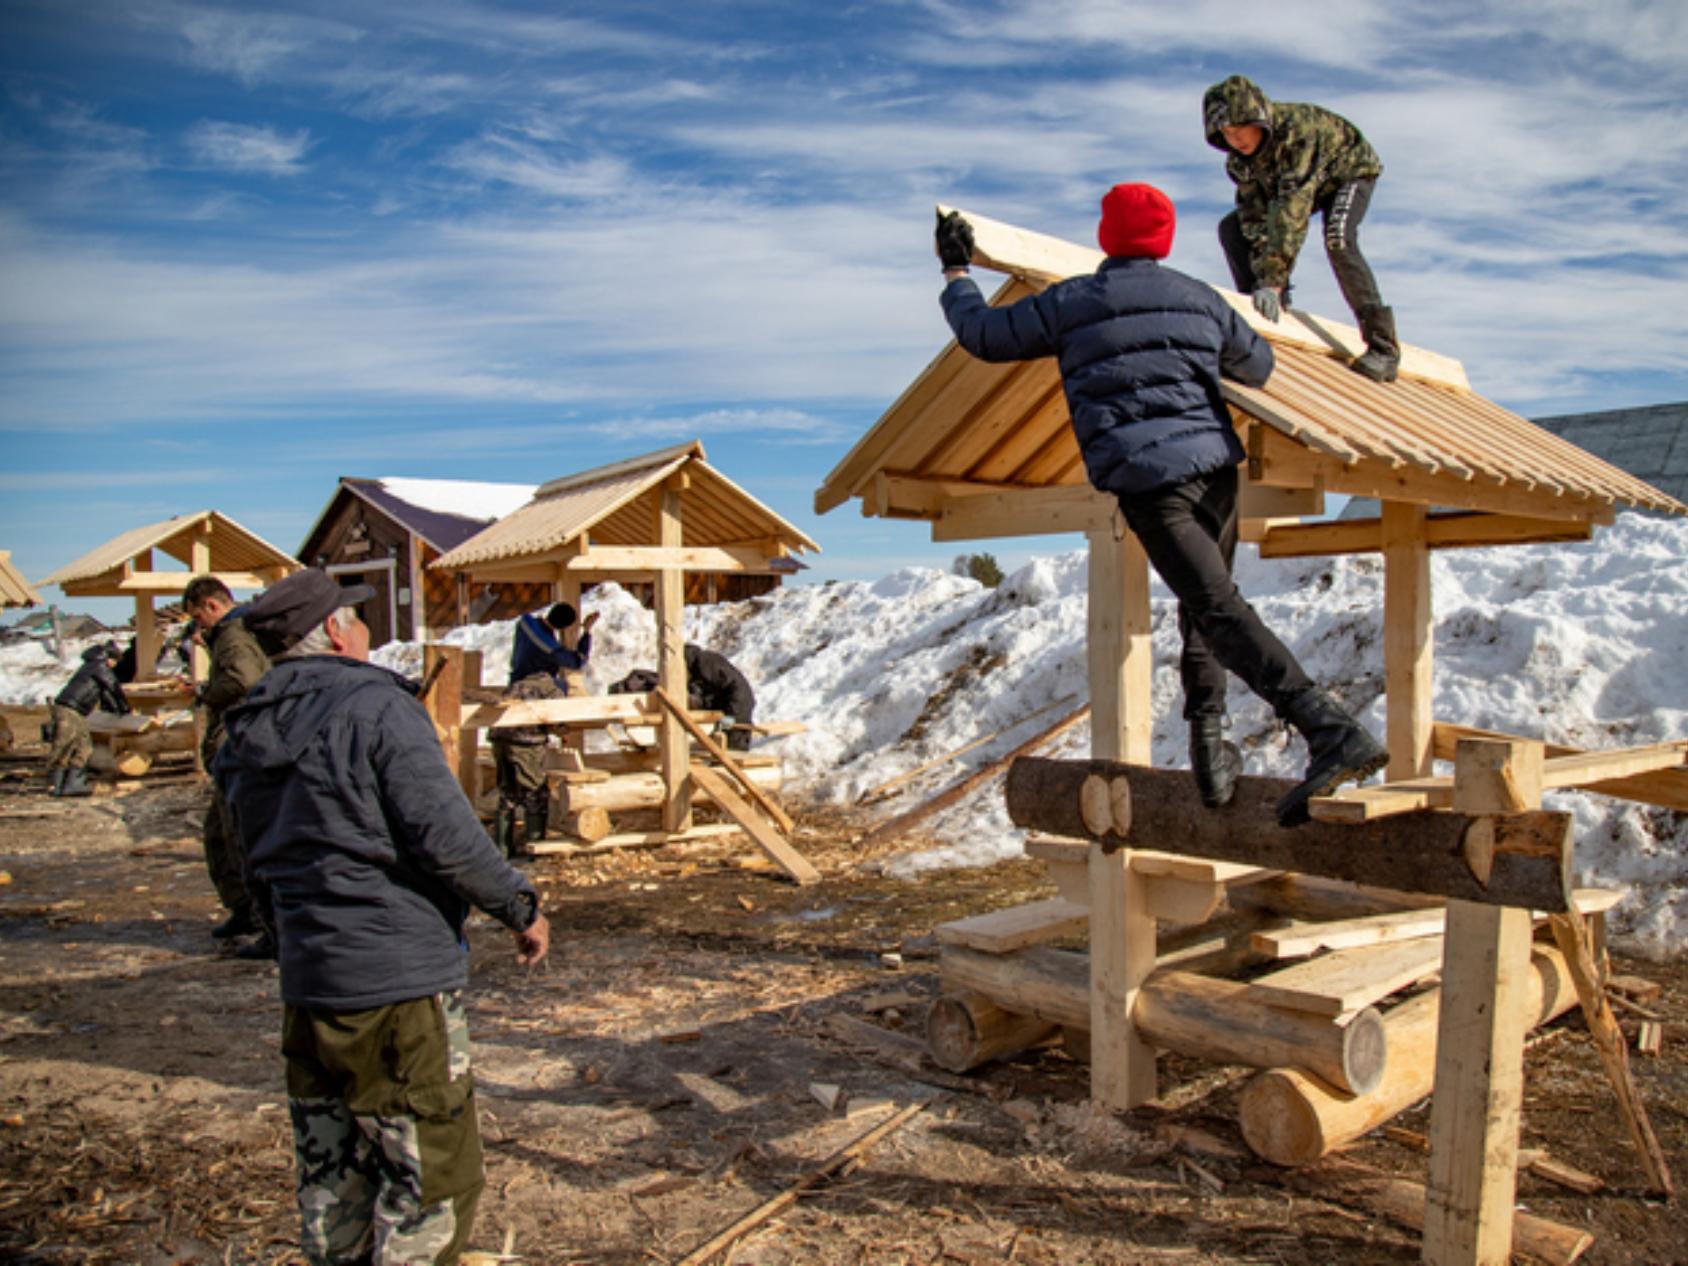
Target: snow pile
(1583, 645)
(467, 499)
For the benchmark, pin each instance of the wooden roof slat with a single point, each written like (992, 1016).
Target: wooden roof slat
(233, 549)
(15, 591)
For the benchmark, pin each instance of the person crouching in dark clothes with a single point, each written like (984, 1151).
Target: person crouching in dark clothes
(1141, 350)
(518, 760)
(713, 684)
(365, 855)
(539, 644)
(93, 686)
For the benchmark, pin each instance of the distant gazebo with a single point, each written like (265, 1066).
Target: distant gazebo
(206, 542)
(15, 591)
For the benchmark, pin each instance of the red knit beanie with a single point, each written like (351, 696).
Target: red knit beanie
(1137, 220)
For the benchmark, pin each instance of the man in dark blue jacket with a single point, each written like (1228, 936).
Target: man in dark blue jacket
(538, 645)
(1142, 350)
(363, 853)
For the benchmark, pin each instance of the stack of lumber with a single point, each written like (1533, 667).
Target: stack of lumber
(128, 745)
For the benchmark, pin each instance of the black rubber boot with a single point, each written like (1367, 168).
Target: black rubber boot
(75, 783)
(504, 829)
(533, 827)
(240, 923)
(1339, 750)
(1213, 761)
(260, 949)
(1382, 356)
(56, 786)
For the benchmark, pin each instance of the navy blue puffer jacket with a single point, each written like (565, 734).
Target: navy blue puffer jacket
(1141, 349)
(358, 841)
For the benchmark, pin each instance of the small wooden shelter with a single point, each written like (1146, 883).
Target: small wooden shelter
(654, 519)
(980, 450)
(15, 591)
(206, 542)
(388, 533)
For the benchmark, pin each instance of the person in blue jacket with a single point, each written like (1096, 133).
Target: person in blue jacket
(539, 648)
(1142, 350)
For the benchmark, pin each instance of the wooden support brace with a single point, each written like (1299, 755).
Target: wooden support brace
(726, 762)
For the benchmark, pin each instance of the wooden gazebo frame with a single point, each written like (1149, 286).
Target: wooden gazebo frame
(983, 450)
(207, 542)
(647, 519)
(15, 591)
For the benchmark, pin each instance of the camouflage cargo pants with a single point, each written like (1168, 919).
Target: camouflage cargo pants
(73, 744)
(384, 1132)
(520, 768)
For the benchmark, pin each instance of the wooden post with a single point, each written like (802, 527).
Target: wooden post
(671, 661)
(199, 659)
(444, 701)
(468, 740)
(1122, 931)
(1474, 1113)
(147, 646)
(1408, 645)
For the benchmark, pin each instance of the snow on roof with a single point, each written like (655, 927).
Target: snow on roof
(465, 498)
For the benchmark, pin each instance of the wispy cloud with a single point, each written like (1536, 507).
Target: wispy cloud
(247, 147)
(101, 480)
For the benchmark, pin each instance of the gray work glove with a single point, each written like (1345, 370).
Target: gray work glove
(1266, 303)
(954, 240)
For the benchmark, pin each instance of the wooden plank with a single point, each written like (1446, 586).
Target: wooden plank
(670, 654)
(1418, 853)
(575, 710)
(1611, 772)
(1024, 512)
(1666, 788)
(442, 696)
(1204, 870)
(769, 840)
(1570, 933)
(719, 753)
(736, 559)
(1377, 929)
(875, 793)
(1474, 1113)
(1345, 981)
(1016, 927)
(637, 839)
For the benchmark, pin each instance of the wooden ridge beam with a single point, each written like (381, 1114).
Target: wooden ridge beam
(1423, 853)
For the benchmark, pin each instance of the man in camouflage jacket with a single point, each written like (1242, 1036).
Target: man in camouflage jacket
(518, 760)
(237, 662)
(1289, 160)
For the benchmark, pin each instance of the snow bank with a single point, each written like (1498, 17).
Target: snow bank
(1581, 644)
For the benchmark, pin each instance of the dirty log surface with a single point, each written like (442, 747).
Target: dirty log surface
(653, 1082)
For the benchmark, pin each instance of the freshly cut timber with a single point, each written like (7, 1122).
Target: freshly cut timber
(1530, 852)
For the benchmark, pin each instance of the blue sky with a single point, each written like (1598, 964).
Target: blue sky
(246, 249)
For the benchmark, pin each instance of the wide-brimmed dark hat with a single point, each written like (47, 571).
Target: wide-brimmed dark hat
(288, 610)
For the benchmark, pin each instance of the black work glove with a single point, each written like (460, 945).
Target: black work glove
(1266, 303)
(954, 240)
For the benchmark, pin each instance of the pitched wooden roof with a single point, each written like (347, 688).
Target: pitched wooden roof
(122, 564)
(606, 506)
(968, 429)
(15, 591)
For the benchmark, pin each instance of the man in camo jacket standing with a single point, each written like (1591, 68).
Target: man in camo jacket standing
(1289, 160)
(364, 856)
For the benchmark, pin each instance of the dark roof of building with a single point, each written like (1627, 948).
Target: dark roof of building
(442, 531)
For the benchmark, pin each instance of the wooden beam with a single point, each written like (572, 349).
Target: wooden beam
(763, 833)
(1122, 929)
(442, 670)
(1422, 853)
(609, 559)
(671, 658)
(1000, 931)
(1464, 530)
(1474, 1113)
(1347, 980)
(173, 582)
(1408, 639)
(574, 710)
(1027, 512)
(723, 759)
(1667, 788)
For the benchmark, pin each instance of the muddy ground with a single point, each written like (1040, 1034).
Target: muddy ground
(652, 1082)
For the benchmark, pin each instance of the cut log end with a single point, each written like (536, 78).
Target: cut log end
(966, 1030)
(1279, 1120)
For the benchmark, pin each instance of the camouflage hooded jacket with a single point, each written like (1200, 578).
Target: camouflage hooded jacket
(1305, 156)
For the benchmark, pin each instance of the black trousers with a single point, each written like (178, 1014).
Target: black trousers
(1342, 213)
(1189, 532)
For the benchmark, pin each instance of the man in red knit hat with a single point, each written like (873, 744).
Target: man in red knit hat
(1142, 350)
